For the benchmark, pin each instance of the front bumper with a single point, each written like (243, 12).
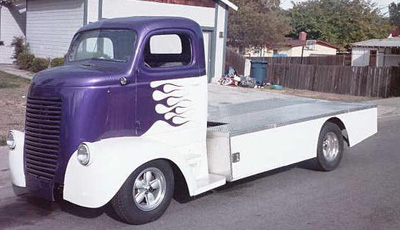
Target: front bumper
(23, 183)
(16, 160)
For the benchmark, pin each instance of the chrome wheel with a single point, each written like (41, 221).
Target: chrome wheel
(330, 146)
(149, 189)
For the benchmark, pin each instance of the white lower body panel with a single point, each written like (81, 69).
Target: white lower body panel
(16, 160)
(273, 148)
(281, 146)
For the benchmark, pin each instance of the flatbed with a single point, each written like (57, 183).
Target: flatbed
(253, 116)
(248, 138)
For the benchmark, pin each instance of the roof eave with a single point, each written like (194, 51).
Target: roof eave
(230, 4)
(372, 47)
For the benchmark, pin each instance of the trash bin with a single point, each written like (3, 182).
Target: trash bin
(259, 71)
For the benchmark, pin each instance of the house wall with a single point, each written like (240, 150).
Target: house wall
(205, 3)
(381, 57)
(292, 51)
(390, 59)
(220, 40)
(127, 8)
(360, 57)
(13, 21)
(319, 50)
(51, 25)
(93, 11)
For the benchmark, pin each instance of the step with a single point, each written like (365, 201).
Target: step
(209, 182)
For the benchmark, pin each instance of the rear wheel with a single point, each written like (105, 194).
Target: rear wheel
(330, 147)
(146, 194)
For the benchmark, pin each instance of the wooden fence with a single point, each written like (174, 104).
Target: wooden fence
(238, 61)
(319, 60)
(358, 81)
(235, 60)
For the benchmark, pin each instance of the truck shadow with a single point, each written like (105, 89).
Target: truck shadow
(27, 211)
(24, 211)
(184, 197)
(236, 185)
(87, 213)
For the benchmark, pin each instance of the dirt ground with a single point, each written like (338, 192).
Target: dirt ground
(13, 91)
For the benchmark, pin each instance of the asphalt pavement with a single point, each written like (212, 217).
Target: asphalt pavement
(363, 193)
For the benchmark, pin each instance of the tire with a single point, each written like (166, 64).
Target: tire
(146, 194)
(330, 147)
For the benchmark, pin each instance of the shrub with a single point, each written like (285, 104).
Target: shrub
(25, 60)
(19, 47)
(39, 64)
(3, 141)
(57, 62)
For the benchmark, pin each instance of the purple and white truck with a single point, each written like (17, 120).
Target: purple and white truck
(126, 122)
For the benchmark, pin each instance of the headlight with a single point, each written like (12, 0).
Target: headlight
(83, 154)
(11, 140)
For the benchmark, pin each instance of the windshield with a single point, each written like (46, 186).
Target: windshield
(107, 45)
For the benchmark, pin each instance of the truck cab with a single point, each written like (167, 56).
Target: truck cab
(126, 116)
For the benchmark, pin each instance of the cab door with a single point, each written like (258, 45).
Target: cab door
(171, 87)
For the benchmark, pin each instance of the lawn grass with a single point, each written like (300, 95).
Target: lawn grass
(8, 81)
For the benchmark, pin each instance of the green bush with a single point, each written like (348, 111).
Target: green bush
(57, 62)
(3, 141)
(25, 60)
(19, 47)
(39, 64)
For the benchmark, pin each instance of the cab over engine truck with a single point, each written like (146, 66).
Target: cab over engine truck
(128, 114)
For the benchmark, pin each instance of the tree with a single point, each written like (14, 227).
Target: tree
(257, 23)
(340, 22)
(394, 14)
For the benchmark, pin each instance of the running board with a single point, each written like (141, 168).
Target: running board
(208, 182)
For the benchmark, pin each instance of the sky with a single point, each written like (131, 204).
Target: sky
(382, 4)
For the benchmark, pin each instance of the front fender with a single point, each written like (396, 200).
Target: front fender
(16, 160)
(112, 162)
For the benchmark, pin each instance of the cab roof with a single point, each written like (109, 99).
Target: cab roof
(143, 24)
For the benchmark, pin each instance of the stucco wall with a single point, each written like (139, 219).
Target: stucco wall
(319, 50)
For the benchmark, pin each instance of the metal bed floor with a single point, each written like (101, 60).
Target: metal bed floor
(242, 118)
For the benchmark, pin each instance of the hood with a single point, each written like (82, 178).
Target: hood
(80, 75)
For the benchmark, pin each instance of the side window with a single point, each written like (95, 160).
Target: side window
(168, 50)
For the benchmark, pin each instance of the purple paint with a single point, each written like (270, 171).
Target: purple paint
(94, 104)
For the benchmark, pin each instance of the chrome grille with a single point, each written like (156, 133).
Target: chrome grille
(42, 136)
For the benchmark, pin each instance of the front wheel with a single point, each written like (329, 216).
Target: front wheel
(146, 194)
(330, 147)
